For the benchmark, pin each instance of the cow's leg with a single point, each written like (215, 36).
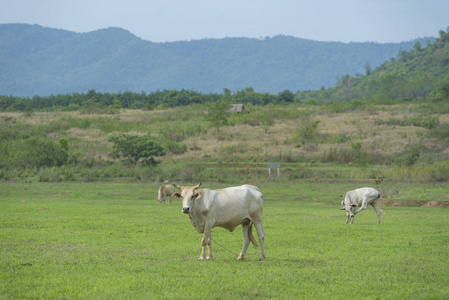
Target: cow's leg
(209, 249)
(347, 217)
(261, 236)
(203, 247)
(245, 231)
(364, 205)
(206, 241)
(170, 198)
(377, 209)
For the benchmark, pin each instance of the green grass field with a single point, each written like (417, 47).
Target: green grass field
(113, 240)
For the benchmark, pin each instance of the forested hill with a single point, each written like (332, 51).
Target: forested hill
(35, 60)
(421, 73)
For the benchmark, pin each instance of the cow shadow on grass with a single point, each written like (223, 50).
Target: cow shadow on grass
(297, 262)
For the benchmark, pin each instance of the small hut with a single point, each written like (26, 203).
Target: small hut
(238, 108)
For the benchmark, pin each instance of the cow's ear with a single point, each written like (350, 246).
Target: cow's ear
(197, 195)
(177, 195)
(343, 208)
(354, 205)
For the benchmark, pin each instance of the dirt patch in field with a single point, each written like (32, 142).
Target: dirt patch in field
(436, 204)
(414, 203)
(61, 193)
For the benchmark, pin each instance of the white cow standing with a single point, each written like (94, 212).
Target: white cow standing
(226, 208)
(165, 190)
(361, 197)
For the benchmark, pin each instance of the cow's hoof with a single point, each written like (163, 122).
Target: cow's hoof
(261, 258)
(201, 259)
(209, 258)
(240, 257)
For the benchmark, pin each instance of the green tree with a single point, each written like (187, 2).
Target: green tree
(367, 69)
(286, 96)
(443, 91)
(135, 148)
(117, 104)
(218, 114)
(417, 46)
(92, 107)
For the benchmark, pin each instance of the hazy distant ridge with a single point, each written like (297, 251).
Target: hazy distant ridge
(35, 60)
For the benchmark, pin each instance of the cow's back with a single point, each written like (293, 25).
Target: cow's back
(366, 192)
(168, 190)
(246, 193)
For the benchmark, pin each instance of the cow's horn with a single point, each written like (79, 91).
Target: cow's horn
(197, 186)
(174, 184)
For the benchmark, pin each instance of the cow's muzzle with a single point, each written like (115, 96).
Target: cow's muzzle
(186, 210)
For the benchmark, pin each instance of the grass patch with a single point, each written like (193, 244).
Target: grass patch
(113, 240)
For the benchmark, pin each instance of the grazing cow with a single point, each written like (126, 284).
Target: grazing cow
(361, 197)
(165, 190)
(226, 208)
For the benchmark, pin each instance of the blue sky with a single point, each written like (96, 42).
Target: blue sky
(173, 20)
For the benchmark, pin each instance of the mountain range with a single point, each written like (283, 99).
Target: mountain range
(36, 60)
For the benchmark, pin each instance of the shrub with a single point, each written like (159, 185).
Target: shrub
(92, 107)
(306, 132)
(344, 155)
(428, 122)
(440, 172)
(36, 153)
(410, 156)
(441, 132)
(174, 147)
(49, 175)
(136, 148)
(340, 138)
(341, 156)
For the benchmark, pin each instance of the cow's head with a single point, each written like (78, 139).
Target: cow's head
(188, 196)
(348, 205)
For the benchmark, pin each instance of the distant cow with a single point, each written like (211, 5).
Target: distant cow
(361, 197)
(226, 208)
(165, 190)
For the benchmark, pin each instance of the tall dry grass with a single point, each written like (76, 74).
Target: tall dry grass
(358, 136)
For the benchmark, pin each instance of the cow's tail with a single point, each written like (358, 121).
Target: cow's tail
(378, 197)
(251, 236)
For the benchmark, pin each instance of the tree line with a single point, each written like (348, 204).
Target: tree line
(94, 101)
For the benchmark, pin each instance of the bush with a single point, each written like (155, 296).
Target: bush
(49, 175)
(36, 153)
(441, 132)
(306, 132)
(92, 107)
(341, 156)
(428, 122)
(344, 155)
(136, 148)
(174, 147)
(440, 172)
